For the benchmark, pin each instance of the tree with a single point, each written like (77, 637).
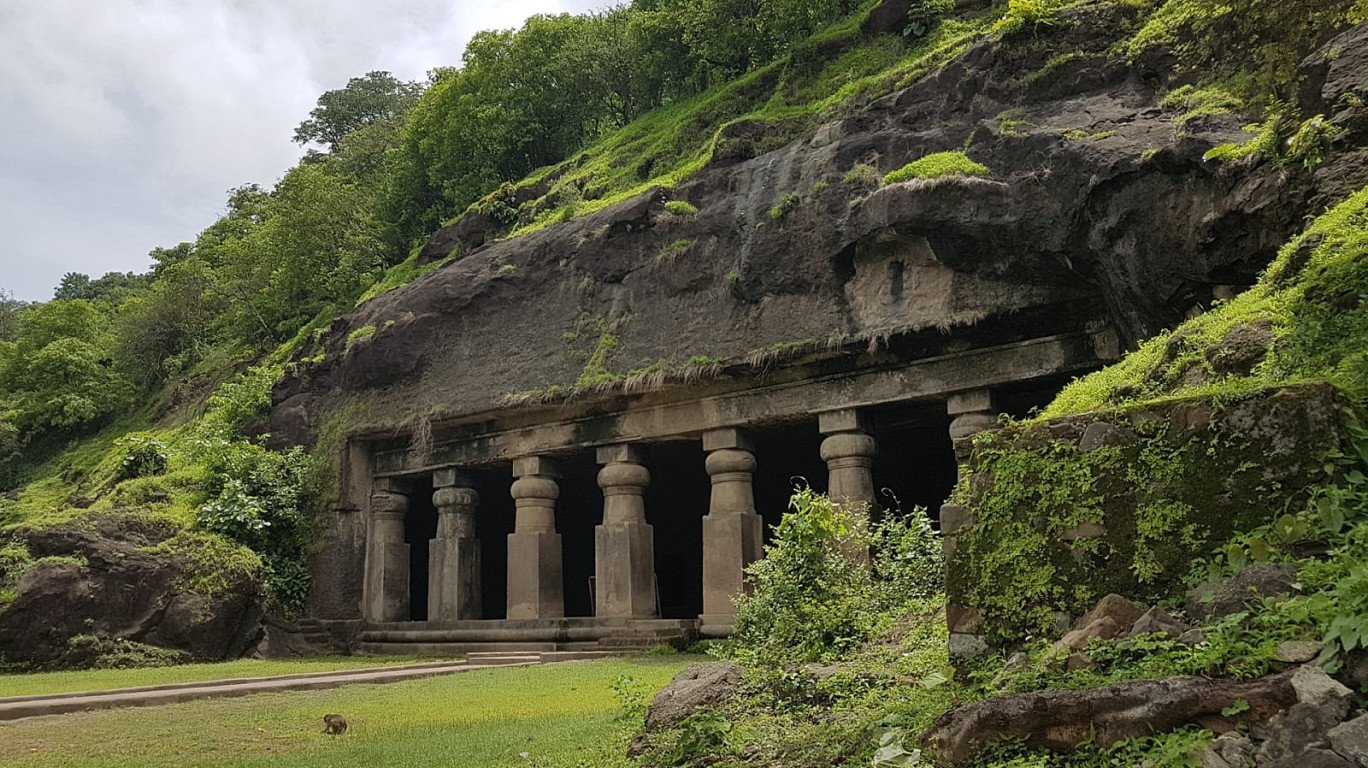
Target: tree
(167, 328)
(58, 373)
(372, 98)
(9, 316)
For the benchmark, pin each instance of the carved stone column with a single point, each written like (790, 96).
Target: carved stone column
(849, 454)
(535, 579)
(387, 556)
(454, 556)
(970, 413)
(732, 531)
(624, 553)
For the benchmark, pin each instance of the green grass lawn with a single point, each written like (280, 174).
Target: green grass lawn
(104, 679)
(556, 716)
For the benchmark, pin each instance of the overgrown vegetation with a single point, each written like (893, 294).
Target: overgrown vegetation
(937, 166)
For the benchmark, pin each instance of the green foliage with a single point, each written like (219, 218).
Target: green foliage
(681, 208)
(143, 455)
(359, 335)
(1310, 145)
(375, 97)
(1307, 297)
(1198, 102)
(1226, 38)
(1027, 15)
(786, 205)
(863, 175)
(936, 166)
(813, 595)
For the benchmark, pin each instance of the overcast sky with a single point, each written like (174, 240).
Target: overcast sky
(124, 122)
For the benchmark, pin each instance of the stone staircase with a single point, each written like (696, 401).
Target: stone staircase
(638, 635)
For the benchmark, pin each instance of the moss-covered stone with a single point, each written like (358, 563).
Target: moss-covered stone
(1123, 501)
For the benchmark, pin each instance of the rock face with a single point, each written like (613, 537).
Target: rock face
(1293, 711)
(1215, 600)
(697, 687)
(126, 588)
(1094, 211)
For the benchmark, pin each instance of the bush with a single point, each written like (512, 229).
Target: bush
(143, 456)
(812, 600)
(1027, 14)
(936, 166)
(681, 208)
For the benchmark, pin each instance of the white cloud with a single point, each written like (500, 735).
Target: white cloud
(123, 122)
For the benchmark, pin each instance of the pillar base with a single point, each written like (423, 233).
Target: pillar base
(535, 578)
(624, 570)
(716, 626)
(730, 544)
(388, 595)
(454, 579)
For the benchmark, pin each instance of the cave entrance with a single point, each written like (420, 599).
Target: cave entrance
(494, 519)
(578, 510)
(420, 525)
(676, 502)
(915, 467)
(787, 457)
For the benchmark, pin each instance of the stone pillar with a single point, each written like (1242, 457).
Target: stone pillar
(970, 413)
(624, 553)
(454, 556)
(386, 588)
(535, 580)
(732, 531)
(849, 454)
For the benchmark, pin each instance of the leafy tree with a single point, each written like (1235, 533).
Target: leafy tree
(372, 98)
(111, 289)
(168, 327)
(9, 316)
(58, 373)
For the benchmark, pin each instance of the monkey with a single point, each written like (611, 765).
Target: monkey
(334, 725)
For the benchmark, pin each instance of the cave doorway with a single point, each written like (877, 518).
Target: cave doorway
(578, 510)
(787, 457)
(676, 502)
(420, 525)
(494, 518)
(915, 467)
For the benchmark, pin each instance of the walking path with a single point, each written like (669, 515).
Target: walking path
(16, 707)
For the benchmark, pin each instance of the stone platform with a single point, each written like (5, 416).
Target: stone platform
(539, 636)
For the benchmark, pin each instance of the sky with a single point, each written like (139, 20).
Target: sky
(123, 123)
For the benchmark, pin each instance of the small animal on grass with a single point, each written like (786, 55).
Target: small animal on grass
(334, 725)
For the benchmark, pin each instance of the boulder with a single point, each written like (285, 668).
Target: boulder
(115, 583)
(1157, 620)
(1297, 651)
(1321, 704)
(697, 687)
(1221, 597)
(1350, 740)
(1062, 720)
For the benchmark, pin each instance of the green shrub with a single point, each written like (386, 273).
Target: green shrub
(862, 175)
(1310, 145)
(359, 335)
(1023, 15)
(813, 600)
(786, 205)
(143, 456)
(681, 208)
(936, 166)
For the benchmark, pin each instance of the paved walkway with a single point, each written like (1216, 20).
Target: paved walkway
(16, 707)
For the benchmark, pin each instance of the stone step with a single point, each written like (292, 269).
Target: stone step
(464, 649)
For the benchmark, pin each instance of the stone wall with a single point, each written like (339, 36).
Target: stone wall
(1052, 515)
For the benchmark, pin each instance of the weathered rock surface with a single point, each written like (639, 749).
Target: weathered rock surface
(126, 590)
(1062, 720)
(1095, 211)
(699, 686)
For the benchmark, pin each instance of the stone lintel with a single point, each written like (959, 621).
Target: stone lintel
(628, 453)
(536, 465)
(450, 478)
(729, 438)
(844, 420)
(973, 401)
(527, 433)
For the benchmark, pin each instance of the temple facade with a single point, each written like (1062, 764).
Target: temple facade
(626, 521)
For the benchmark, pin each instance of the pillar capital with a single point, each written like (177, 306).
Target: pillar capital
(538, 466)
(388, 503)
(971, 401)
(450, 477)
(731, 437)
(622, 453)
(845, 420)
